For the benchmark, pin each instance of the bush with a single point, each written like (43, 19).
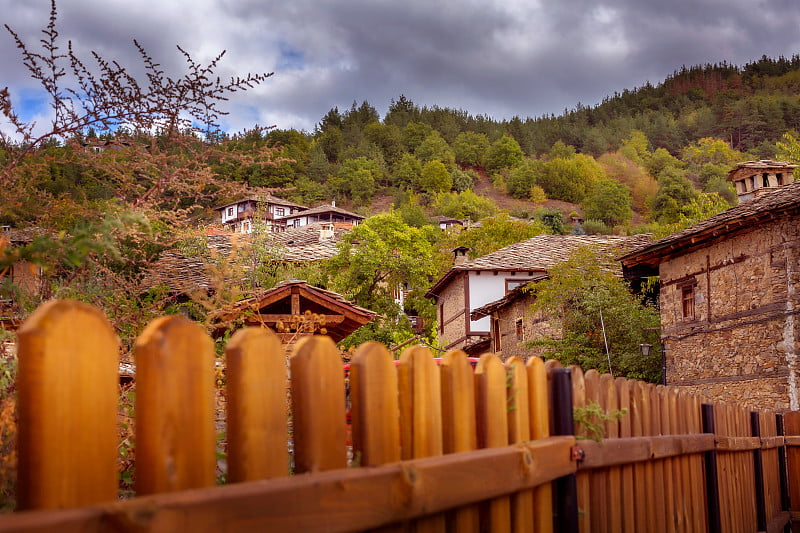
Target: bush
(596, 227)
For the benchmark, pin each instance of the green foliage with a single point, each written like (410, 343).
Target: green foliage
(435, 177)
(674, 191)
(378, 256)
(357, 178)
(789, 148)
(570, 180)
(505, 152)
(552, 219)
(471, 148)
(591, 304)
(523, 177)
(636, 147)
(495, 233)
(610, 201)
(464, 205)
(592, 418)
(463, 180)
(596, 227)
(435, 148)
(701, 207)
(559, 150)
(408, 171)
(414, 134)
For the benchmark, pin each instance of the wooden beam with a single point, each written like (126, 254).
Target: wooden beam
(354, 498)
(268, 319)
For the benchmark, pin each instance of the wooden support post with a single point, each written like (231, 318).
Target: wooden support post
(758, 471)
(783, 471)
(712, 483)
(566, 497)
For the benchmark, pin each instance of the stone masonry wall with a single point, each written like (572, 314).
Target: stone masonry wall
(534, 326)
(742, 343)
(452, 316)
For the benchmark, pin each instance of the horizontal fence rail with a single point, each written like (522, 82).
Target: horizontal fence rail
(506, 446)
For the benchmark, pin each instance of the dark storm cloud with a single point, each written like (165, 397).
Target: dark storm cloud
(503, 59)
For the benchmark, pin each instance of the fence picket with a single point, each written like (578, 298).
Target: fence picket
(491, 401)
(629, 495)
(257, 427)
(519, 430)
(666, 414)
(459, 432)
(598, 478)
(538, 398)
(419, 384)
(609, 400)
(583, 478)
(175, 437)
(375, 411)
(67, 411)
(318, 414)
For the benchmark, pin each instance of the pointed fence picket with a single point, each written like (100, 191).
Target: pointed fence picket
(437, 447)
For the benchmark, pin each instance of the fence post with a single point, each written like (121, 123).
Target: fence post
(758, 470)
(712, 481)
(782, 468)
(67, 389)
(566, 497)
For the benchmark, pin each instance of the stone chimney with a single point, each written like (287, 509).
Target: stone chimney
(460, 255)
(326, 232)
(756, 178)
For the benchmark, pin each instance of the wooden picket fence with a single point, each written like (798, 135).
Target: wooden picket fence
(434, 448)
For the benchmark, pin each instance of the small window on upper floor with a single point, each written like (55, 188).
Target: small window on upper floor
(513, 283)
(765, 179)
(520, 330)
(779, 179)
(230, 211)
(496, 334)
(687, 302)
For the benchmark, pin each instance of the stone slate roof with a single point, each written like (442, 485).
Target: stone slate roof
(538, 254)
(747, 167)
(183, 273)
(735, 219)
(262, 198)
(22, 235)
(324, 209)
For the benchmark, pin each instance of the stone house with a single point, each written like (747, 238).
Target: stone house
(730, 295)
(472, 284)
(238, 216)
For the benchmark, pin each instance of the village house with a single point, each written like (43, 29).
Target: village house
(278, 214)
(730, 294)
(238, 216)
(471, 284)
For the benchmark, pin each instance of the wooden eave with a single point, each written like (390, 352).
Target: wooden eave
(341, 318)
(658, 253)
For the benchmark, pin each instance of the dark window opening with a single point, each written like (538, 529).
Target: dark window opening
(765, 179)
(496, 334)
(687, 302)
(519, 329)
(779, 178)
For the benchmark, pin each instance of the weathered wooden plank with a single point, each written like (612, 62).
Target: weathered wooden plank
(420, 389)
(491, 405)
(375, 412)
(610, 402)
(583, 481)
(628, 487)
(256, 384)
(339, 500)
(625, 451)
(459, 432)
(538, 399)
(318, 411)
(67, 407)
(519, 430)
(175, 436)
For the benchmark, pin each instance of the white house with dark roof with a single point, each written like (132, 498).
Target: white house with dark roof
(238, 216)
(471, 284)
(323, 213)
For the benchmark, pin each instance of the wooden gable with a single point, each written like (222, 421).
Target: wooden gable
(280, 308)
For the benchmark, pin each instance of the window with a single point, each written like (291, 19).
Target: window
(513, 283)
(279, 211)
(230, 211)
(765, 179)
(687, 302)
(779, 178)
(518, 326)
(441, 317)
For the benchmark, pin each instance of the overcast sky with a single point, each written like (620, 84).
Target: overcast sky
(499, 58)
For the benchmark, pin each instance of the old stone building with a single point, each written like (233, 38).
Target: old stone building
(471, 284)
(730, 294)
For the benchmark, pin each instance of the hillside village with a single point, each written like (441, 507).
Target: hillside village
(183, 307)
